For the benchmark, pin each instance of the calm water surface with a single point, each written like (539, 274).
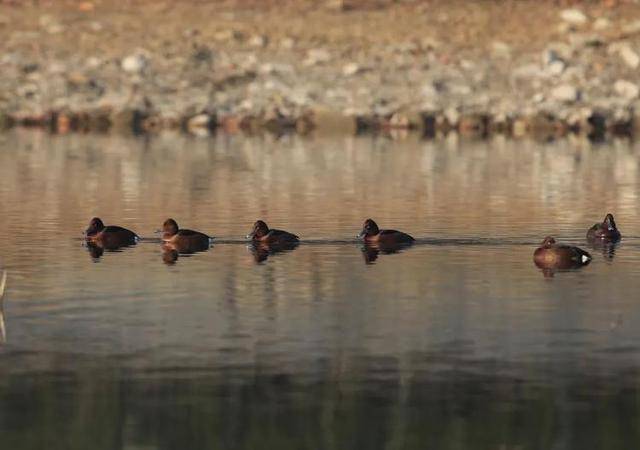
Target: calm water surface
(458, 342)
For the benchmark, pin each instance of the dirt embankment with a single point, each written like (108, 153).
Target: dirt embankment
(472, 66)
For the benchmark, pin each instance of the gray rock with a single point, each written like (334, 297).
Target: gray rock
(500, 50)
(27, 90)
(50, 24)
(452, 115)
(552, 62)
(578, 41)
(626, 89)
(460, 89)
(550, 55)
(430, 91)
(93, 62)
(317, 56)
(351, 69)
(601, 23)
(629, 56)
(538, 97)
(429, 43)
(527, 71)
(134, 63)
(287, 43)
(336, 5)
(565, 93)
(632, 27)
(573, 16)
(556, 68)
(228, 35)
(198, 122)
(258, 41)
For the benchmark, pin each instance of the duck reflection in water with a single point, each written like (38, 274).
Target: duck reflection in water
(169, 255)
(371, 251)
(172, 250)
(552, 257)
(261, 251)
(97, 249)
(608, 249)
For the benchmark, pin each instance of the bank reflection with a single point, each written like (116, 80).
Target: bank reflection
(442, 398)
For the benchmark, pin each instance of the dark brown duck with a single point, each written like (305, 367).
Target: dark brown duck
(183, 240)
(607, 231)
(551, 255)
(372, 234)
(109, 236)
(262, 233)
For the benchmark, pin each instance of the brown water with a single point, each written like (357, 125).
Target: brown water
(458, 342)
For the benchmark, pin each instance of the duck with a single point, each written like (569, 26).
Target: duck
(110, 236)
(551, 255)
(182, 240)
(262, 233)
(371, 234)
(605, 231)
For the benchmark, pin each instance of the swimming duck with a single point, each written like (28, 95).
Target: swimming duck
(372, 234)
(262, 233)
(605, 231)
(182, 240)
(110, 236)
(551, 255)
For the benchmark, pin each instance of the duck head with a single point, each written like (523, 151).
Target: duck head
(169, 228)
(260, 229)
(547, 242)
(95, 227)
(609, 223)
(369, 228)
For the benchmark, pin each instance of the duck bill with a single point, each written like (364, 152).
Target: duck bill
(609, 223)
(361, 235)
(250, 236)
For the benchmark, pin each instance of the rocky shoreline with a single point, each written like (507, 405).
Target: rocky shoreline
(429, 124)
(328, 66)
